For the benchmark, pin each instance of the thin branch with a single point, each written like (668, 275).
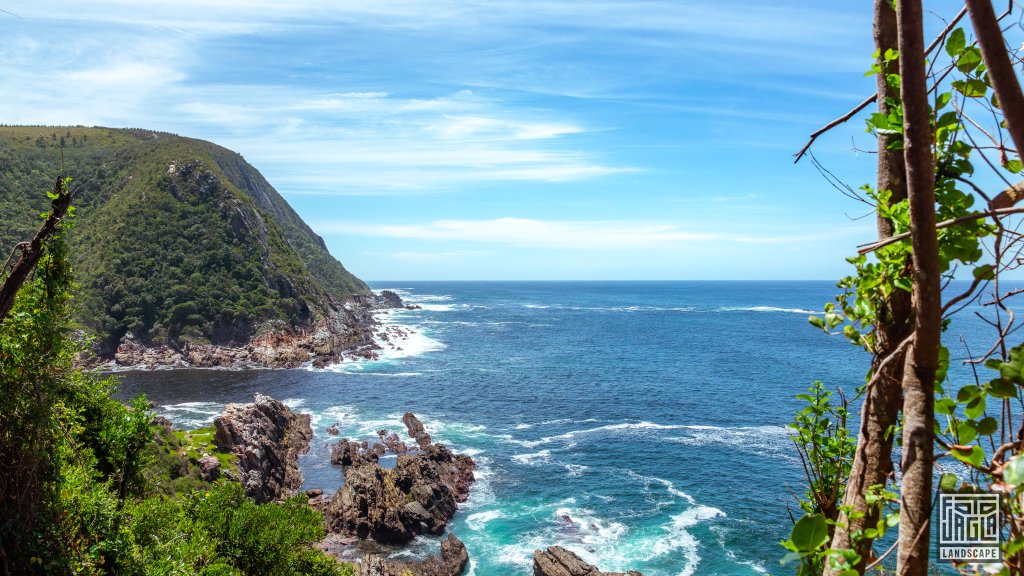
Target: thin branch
(944, 224)
(873, 97)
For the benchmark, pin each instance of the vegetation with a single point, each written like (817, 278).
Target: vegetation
(91, 486)
(178, 240)
(938, 120)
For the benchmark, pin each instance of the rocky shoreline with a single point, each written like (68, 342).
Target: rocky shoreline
(377, 505)
(350, 332)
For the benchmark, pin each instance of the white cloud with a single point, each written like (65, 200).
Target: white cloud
(590, 235)
(573, 234)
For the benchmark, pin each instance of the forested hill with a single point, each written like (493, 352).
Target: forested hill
(177, 240)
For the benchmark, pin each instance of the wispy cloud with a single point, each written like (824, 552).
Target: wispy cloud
(576, 235)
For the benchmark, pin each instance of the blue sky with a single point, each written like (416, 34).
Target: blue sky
(528, 139)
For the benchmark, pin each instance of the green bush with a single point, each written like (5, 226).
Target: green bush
(89, 486)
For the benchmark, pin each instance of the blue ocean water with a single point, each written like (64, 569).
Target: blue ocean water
(639, 424)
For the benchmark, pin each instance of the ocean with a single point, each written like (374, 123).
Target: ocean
(639, 424)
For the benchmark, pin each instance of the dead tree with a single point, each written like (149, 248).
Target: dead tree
(32, 250)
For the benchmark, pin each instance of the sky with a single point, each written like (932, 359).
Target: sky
(494, 140)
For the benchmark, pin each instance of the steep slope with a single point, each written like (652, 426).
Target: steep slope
(178, 241)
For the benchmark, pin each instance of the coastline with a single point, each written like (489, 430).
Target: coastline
(353, 331)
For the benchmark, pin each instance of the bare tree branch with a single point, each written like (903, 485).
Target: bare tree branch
(33, 250)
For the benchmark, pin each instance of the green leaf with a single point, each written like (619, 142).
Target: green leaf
(987, 426)
(969, 60)
(945, 406)
(971, 87)
(817, 321)
(1000, 388)
(986, 271)
(1013, 472)
(966, 433)
(942, 100)
(976, 407)
(973, 455)
(956, 42)
(810, 533)
(948, 482)
(1014, 165)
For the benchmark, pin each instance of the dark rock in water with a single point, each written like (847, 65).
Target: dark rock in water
(315, 493)
(333, 429)
(419, 495)
(394, 444)
(349, 453)
(416, 430)
(451, 562)
(209, 468)
(557, 561)
(389, 299)
(268, 438)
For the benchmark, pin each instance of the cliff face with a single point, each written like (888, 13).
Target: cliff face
(267, 437)
(178, 242)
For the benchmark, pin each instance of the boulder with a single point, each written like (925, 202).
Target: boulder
(419, 495)
(389, 299)
(268, 438)
(557, 561)
(416, 430)
(450, 562)
(209, 467)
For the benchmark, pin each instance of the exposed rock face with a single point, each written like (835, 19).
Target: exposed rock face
(416, 430)
(419, 495)
(557, 561)
(209, 467)
(268, 438)
(451, 562)
(345, 332)
(390, 299)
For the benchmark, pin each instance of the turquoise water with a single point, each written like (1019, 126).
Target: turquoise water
(638, 424)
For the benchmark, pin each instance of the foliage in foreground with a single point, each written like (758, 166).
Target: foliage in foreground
(91, 486)
(978, 436)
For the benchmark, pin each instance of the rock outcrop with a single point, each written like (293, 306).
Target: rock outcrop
(450, 562)
(557, 561)
(419, 495)
(348, 331)
(268, 438)
(416, 430)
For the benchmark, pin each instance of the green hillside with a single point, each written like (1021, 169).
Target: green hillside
(177, 240)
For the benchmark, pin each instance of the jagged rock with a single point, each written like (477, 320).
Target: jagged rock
(268, 438)
(314, 493)
(209, 467)
(557, 561)
(389, 299)
(333, 429)
(348, 453)
(419, 495)
(450, 562)
(416, 430)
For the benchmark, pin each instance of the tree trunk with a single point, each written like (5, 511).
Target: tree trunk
(32, 251)
(872, 462)
(1004, 81)
(919, 370)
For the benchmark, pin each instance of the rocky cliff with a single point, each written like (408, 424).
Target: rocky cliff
(179, 245)
(267, 437)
